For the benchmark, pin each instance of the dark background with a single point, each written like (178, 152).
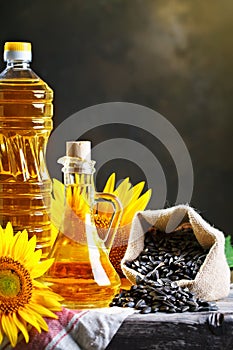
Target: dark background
(173, 56)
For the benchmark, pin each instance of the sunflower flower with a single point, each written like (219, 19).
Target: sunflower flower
(129, 197)
(24, 301)
(132, 201)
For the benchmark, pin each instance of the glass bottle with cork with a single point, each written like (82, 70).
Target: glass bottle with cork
(82, 273)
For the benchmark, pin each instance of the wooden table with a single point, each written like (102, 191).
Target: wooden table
(189, 330)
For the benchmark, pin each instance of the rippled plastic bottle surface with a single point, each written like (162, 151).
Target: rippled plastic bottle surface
(25, 125)
(82, 272)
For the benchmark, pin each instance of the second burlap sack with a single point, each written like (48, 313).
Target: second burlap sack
(212, 282)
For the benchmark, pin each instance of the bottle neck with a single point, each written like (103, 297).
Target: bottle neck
(18, 64)
(78, 179)
(79, 191)
(77, 170)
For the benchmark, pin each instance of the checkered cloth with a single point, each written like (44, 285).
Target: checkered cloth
(75, 330)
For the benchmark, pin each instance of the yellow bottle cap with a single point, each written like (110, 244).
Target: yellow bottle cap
(17, 51)
(17, 46)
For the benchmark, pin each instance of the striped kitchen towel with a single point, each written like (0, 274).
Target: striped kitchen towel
(75, 330)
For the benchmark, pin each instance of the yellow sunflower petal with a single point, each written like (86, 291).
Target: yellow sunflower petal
(123, 185)
(31, 246)
(122, 190)
(38, 284)
(54, 233)
(57, 212)
(15, 238)
(105, 207)
(48, 299)
(10, 329)
(38, 319)
(41, 268)
(34, 260)
(21, 327)
(42, 310)
(8, 232)
(1, 335)
(2, 241)
(127, 197)
(79, 203)
(53, 305)
(20, 245)
(29, 317)
(137, 190)
(58, 190)
(138, 205)
(133, 194)
(41, 322)
(57, 203)
(110, 184)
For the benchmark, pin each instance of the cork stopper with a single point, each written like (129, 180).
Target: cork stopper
(79, 149)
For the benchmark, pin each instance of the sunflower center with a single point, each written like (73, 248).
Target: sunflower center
(9, 283)
(15, 285)
(102, 221)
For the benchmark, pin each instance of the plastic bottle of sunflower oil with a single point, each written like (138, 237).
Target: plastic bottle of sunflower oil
(25, 125)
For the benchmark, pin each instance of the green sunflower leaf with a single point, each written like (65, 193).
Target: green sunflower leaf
(229, 251)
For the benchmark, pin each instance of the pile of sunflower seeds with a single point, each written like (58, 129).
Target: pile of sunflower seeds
(165, 259)
(164, 295)
(176, 255)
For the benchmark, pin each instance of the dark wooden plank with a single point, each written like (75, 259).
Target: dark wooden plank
(189, 331)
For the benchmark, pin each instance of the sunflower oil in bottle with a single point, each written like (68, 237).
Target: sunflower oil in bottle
(82, 272)
(25, 125)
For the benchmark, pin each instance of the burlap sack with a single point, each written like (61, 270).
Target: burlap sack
(119, 248)
(212, 282)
